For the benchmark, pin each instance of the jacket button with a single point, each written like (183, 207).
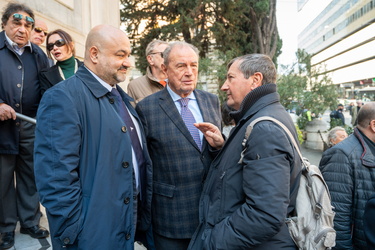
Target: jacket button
(66, 241)
(111, 101)
(125, 164)
(19, 66)
(123, 129)
(127, 237)
(127, 200)
(19, 85)
(134, 197)
(17, 105)
(17, 123)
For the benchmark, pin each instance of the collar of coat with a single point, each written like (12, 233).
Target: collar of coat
(251, 98)
(367, 158)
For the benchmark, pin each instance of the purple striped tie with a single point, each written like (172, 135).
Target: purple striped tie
(189, 120)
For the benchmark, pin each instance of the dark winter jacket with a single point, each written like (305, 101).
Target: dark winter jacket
(17, 90)
(244, 206)
(348, 169)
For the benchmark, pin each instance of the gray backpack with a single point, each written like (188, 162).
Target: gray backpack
(311, 227)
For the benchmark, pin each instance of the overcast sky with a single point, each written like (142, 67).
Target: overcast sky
(286, 14)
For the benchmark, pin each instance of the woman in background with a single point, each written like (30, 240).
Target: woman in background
(61, 46)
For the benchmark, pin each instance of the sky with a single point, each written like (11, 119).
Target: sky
(287, 24)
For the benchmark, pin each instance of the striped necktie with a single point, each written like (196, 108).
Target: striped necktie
(188, 118)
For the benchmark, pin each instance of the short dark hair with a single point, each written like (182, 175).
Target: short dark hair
(66, 37)
(12, 8)
(366, 114)
(252, 63)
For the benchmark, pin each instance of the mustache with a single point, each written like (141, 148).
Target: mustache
(123, 67)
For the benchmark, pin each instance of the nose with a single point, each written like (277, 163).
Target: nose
(189, 70)
(224, 87)
(127, 62)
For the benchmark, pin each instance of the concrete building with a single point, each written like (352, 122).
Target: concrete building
(340, 34)
(76, 17)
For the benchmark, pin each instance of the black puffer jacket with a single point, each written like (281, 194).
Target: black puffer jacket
(348, 169)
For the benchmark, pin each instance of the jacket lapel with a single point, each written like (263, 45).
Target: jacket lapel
(169, 108)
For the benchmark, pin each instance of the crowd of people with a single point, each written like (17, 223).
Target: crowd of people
(150, 165)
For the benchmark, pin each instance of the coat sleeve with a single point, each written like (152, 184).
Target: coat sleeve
(337, 172)
(57, 154)
(266, 185)
(369, 223)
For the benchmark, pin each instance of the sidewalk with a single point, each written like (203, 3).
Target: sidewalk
(314, 156)
(25, 242)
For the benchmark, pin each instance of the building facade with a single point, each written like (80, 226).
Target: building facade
(340, 34)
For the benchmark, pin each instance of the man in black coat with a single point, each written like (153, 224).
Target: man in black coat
(20, 64)
(250, 189)
(349, 171)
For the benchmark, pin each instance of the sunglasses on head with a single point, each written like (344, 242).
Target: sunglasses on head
(19, 17)
(58, 43)
(39, 30)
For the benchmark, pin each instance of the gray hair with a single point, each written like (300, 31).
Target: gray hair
(252, 63)
(333, 136)
(168, 50)
(151, 46)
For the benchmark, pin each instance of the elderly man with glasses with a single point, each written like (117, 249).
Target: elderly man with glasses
(155, 78)
(39, 33)
(20, 64)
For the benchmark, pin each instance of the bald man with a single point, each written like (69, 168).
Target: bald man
(39, 33)
(93, 170)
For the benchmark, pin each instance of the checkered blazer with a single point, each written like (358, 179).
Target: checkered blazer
(179, 166)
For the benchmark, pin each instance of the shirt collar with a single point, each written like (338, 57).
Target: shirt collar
(176, 97)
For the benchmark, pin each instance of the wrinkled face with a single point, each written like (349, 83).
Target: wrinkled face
(60, 53)
(182, 70)
(340, 136)
(18, 30)
(237, 86)
(113, 61)
(39, 33)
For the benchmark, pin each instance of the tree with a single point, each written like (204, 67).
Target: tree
(235, 26)
(306, 85)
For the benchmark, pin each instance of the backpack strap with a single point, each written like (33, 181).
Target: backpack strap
(269, 118)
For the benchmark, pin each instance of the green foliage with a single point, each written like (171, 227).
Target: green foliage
(303, 83)
(231, 27)
(299, 133)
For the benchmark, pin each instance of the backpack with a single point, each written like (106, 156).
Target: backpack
(311, 226)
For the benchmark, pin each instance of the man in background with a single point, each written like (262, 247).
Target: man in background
(155, 78)
(349, 171)
(39, 32)
(354, 112)
(20, 64)
(179, 153)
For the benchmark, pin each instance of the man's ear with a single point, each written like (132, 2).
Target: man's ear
(257, 79)
(150, 60)
(94, 51)
(372, 125)
(164, 68)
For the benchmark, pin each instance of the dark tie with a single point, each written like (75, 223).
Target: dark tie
(123, 112)
(189, 120)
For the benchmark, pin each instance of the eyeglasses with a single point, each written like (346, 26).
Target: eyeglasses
(161, 53)
(39, 30)
(58, 43)
(19, 17)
